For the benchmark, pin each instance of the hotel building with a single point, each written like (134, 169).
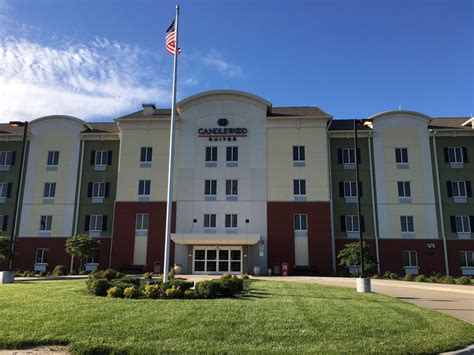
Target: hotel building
(255, 185)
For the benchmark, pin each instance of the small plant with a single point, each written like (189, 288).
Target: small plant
(148, 275)
(225, 276)
(244, 276)
(432, 279)
(183, 285)
(115, 292)
(110, 274)
(43, 273)
(448, 280)
(208, 289)
(60, 270)
(72, 272)
(29, 274)
(409, 277)
(84, 272)
(420, 278)
(390, 275)
(173, 292)
(131, 292)
(99, 287)
(190, 294)
(463, 280)
(151, 291)
(376, 276)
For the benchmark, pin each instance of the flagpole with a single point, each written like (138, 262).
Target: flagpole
(169, 200)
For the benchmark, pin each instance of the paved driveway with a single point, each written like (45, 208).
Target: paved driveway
(455, 300)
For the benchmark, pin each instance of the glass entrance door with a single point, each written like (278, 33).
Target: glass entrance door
(213, 260)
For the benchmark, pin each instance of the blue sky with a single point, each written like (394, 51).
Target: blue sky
(98, 59)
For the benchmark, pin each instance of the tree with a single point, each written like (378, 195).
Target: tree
(350, 256)
(82, 246)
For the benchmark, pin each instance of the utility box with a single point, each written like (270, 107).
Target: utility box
(284, 269)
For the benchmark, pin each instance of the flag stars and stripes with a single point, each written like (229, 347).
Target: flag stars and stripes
(171, 39)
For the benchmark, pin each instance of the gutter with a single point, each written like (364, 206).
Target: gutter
(78, 197)
(374, 206)
(333, 239)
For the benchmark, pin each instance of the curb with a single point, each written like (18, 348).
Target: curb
(466, 351)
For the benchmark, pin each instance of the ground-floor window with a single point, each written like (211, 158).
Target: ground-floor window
(467, 258)
(410, 258)
(41, 256)
(217, 260)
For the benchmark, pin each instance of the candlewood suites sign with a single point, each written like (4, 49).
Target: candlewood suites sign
(222, 133)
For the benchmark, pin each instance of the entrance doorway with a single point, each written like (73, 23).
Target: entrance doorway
(217, 260)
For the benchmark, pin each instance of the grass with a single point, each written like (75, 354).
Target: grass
(273, 316)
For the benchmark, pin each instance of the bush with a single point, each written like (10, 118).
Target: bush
(447, 280)
(110, 274)
(43, 273)
(225, 276)
(463, 280)
(131, 292)
(390, 275)
(182, 285)
(244, 277)
(231, 287)
(115, 292)
(420, 278)
(190, 294)
(432, 279)
(99, 287)
(84, 272)
(72, 272)
(409, 277)
(151, 291)
(173, 292)
(60, 270)
(148, 275)
(376, 276)
(29, 274)
(208, 289)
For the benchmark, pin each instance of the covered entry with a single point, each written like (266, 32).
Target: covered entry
(208, 260)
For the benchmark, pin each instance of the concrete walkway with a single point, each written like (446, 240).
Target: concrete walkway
(455, 300)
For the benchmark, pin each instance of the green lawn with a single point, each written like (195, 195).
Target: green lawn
(274, 316)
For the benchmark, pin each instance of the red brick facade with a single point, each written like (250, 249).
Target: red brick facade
(281, 236)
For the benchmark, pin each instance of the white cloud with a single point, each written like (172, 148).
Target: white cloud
(92, 80)
(217, 61)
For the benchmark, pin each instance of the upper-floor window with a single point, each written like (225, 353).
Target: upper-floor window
(211, 154)
(462, 224)
(299, 187)
(349, 189)
(210, 187)
(406, 224)
(146, 156)
(404, 189)
(209, 221)
(46, 223)
(49, 190)
(144, 187)
(98, 190)
(467, 258)
(96, 223)
(455, 156)
(53, 159)
(7, 159)
(5, 190)
(459, 190)
(410, 258)
(231, 221)
(401, 155)
(231, 187)
(348, 156)
(298, 153)
(41, 256)
(301, 222)
(232, 154)
(352, 223)
(3, 223)
(100, 159)
(141, 224)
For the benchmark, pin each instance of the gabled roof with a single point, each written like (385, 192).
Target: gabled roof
(102, 127)
(297, 112)
(449, 123)
(348, 125)
(5, 128)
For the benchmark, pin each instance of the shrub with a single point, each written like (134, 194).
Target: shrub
(84, 272)
(173, 292)
(115, 292)
(99, 287)
(72, 272)
(148, 275)
(110, 274)
(151, 291)
(463, 280)
(189, 294)
(43, 273)
(29, 274)
(125, 282)
(225, 276)
(390, 275)
(420, 278)
(231, 287)
(376, 276)
(131, 292)
(432, 279)
(244, 277)
(448, 280)
(60, 270)
(350, 256)
(182, 285)
(409, 277)
(208, 289)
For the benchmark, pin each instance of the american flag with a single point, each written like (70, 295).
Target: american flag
(171, 39)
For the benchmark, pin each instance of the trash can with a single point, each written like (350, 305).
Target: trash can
(284, 269)
(156, 268)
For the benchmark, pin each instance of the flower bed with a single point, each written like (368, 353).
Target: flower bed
(434, 278)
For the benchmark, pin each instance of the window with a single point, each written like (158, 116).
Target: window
(350, 189)
(406, 224)
(144, 187)
(352, 224)
(41, 256)
(298, 153)
(146, 154)
(301, 222)
(5, 189)
(95, 223)
(7, 158)
(348, 156)
(142, 221)
(49, 190)
(3, 223)
(210, 187)
(299, 187)
(410, 258)
(232, 154)
(98, 190)
(401, 155)
(53, 158)
(462, 224)
(404, 189)
(231, 221)
(209, 221)
(45, 223)
(93, 260)
(467, 258)
(211, 154)
(101, 157)
(231, 187)
(456, 155)
(459, 189)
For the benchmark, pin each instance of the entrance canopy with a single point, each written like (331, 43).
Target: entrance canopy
(215, 239)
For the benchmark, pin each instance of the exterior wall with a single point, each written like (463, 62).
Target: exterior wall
(455, 246)
(89, 174)
(51, 133)
(339, 174)
(123, 241)
(408, 131)
(281, 235)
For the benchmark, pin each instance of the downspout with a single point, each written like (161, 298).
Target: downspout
(333, 240)
(115, 201)
(376, 224)
(78, 198)
(440, 205)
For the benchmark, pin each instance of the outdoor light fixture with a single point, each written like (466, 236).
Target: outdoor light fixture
(18, 124)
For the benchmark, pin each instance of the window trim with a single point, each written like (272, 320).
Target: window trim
(297, 222)
(55, 157)
(211, 220)
(410, 261)
(405, 224)
(42, 261)
(465, 253)
(140, 222)
(102, 153)
(233, 219)
(8, 158)
(299, 155)
(299, 188)
(455, 161)
(48, 221)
